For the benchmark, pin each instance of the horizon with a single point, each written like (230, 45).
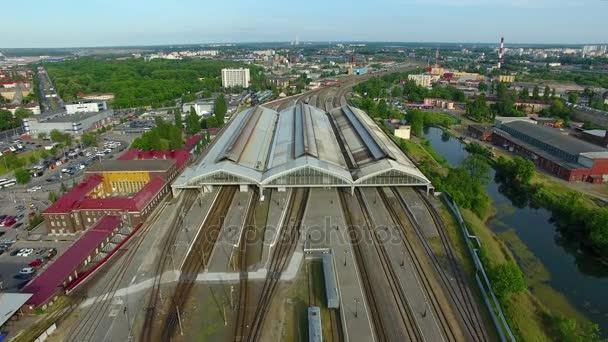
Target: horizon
(110, 23)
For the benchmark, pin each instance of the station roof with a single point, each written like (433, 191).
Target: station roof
(10, 304)
(260, 145)
(47, 283)
(181, 156)
(552, 136)
(137, 165)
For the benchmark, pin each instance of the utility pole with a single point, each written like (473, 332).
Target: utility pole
(356, 308)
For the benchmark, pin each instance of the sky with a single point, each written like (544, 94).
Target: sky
(78, 23)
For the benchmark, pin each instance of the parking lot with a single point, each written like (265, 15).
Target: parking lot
(36, 255)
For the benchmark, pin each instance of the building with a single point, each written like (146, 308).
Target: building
(11, 304)
(33, 107)
(439, 103)
(97, 96)
(278, 81)
(403, 132)
(202, 107)
(480, 132)
(69, 266)
(596, 136)
(74, 124)
(235, 78)
(421, 80)
(562, 155)
(85, 106)
(299, 147)
(506, 78)
(360, 71)
(121, 176)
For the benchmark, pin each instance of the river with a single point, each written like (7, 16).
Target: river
(579, 278)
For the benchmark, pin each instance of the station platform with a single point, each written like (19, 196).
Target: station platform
(418, 209)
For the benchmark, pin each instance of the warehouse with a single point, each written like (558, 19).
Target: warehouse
(301, 146)
(562, 155)
(74, 124)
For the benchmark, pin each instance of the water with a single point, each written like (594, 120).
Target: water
(581, 279)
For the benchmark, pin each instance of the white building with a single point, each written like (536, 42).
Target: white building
(203, 107)
(420, 80)
(235, 78)
(403, 132)
(85, 106)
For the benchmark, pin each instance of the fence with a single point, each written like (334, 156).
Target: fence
(473, 244)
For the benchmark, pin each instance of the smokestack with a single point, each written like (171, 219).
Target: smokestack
(501, 51)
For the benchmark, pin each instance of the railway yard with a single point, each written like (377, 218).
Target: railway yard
(236, 255)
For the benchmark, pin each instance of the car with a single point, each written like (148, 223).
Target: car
(34, 189)
(27, 270)
(99, 154)
(18, 225)
(10, 223)
(15, 252)
(20, 208)
(41, 251)
(107, 151)
(18, 217)
(2, 217)
(25, 252)
(35, 263)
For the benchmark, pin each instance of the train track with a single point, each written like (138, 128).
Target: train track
(91, 318)
(405, 310)
(161, 264)
(284, 248)
(195, 260)
(449, 327)
(460, 293)
(242, 314)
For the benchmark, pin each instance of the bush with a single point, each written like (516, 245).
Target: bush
(507, 279)
(22, 176)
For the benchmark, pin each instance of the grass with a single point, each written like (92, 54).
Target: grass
(53, 314)
(23, 156)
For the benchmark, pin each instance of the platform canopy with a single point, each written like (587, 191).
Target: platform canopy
(302, 146)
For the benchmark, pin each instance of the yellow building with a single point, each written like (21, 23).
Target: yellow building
(130, 176)
(506, 78)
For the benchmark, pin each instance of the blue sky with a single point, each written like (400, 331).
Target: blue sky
(70, 23)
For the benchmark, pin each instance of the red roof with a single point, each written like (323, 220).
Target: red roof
(71, 199)
(181, 156)
(190, 142)
(47, 283)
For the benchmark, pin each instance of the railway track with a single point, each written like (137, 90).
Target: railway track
(405, 310)
(242, 314)
(439, 304)
(161, 264)
(459, 292)
(91, 318)
(286, 244)
(195, 260)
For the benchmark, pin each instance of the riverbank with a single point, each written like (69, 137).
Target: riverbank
(535, 314)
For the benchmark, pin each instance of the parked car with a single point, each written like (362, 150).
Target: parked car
(25, 252)
(15, 252)
(2, 217)
(10, 223)
(27, 270)
(19, 217)
(34, 189)
(18, 225)
(35, 263)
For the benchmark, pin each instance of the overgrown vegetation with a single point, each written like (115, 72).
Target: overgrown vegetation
(164, 137)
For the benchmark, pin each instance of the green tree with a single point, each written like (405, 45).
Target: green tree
(573, 98)
(22, 113)
(477, 167)
(553, 93)
(220, 108)
(568, 330)
(397, 91)
(53, 197)
(63, 188)
(89, 139)
(193, 123)
(483, 86)
(42, 135)
(57, 136)
(547, 93)
(415, 118)
(507, 279)
(178, 119)
(479, 110)
(524, 94)
(22, 176)
(536, 93)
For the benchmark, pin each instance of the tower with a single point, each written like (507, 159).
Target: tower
(501, 52)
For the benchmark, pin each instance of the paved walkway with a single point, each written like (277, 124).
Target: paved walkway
(419, 210)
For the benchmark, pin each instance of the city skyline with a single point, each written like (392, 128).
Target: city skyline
(69, 23)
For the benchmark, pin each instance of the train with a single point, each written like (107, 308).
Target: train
(315, 334)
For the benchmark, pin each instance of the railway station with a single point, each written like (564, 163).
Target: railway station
(301, 146)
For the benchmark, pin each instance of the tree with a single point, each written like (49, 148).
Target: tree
(220, 108)
(42, 135)
(568, 330)
(477, 167)
(383, 109)
(524, 94)
(22, 176)
(536, 93)
(89, 139)
(479, 110)
(553, 93)
(415, 118)
(483, 86)
(573, 98)
(193, 123)
(22, 113)
(397, 91)
(57, 136)
(178, 119)
(546, 93)
(53, 197)
(63, 188)
(507, 279)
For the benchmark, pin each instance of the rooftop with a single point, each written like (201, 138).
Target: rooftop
(10, 304)
(554, 137)
(62, 116)
(137, 165)
(181, 156)
(261, 145)
(47, 283)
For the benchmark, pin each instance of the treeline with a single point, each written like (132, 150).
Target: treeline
(164, 137)
(137, 83)
(588, 79)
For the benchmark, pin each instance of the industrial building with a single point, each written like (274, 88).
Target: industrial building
(235, 78)
(74, 124)
(301, 146)
(440, 103)
(85, 106)
(202, 107)
(560, 154)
